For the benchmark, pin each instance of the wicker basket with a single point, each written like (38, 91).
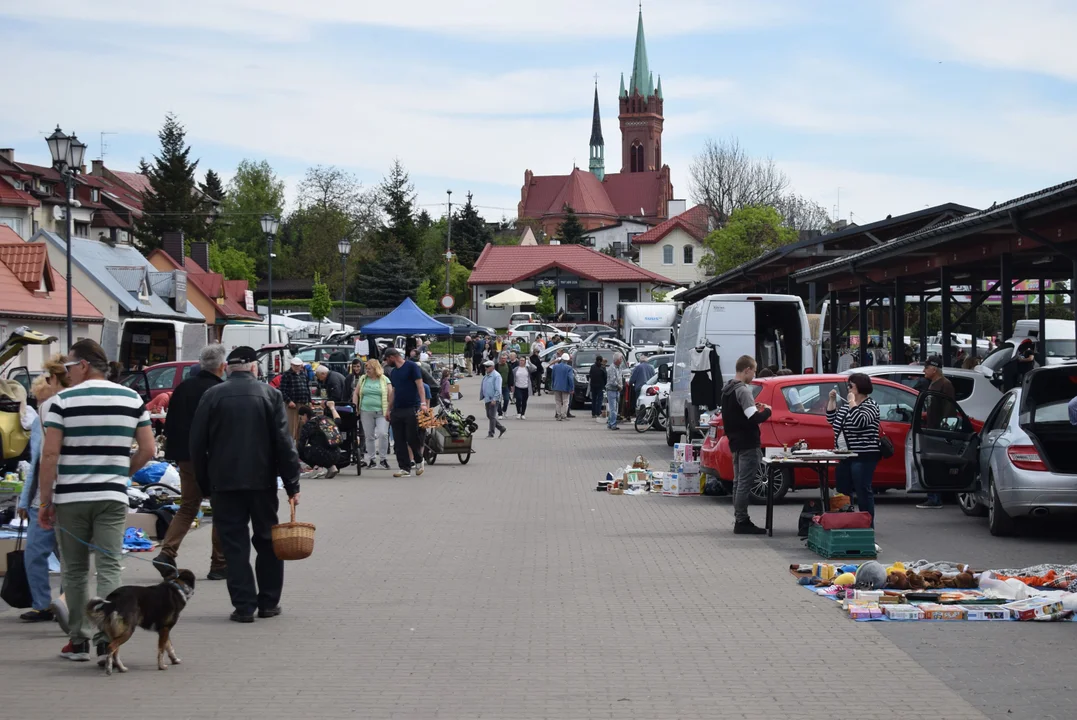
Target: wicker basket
(293, 540)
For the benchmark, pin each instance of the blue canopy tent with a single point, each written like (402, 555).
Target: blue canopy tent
(406, 319)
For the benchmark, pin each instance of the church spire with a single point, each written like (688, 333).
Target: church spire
(623, 93)
(597, 165)
(640, 70)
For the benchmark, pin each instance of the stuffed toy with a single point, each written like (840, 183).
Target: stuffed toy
(897, 581)
(898, 567)
(915, 581)
(961, 580)
(932, 579)
(845, 579)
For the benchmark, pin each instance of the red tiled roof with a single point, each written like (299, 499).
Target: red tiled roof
(136, 181)
(629, 192)
(11, 196)
(214, 286)
(16, 299)
(619, 195)
(503, 264)
(25, 260)
(47, 173)
(693, 221)
(106, 218)
(7, 235)
(583, 192)
(235, 299)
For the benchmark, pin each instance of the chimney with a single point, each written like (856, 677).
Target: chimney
(675, 207)
(200, 254)
(98, 168)
(172, 243)
(8, 154)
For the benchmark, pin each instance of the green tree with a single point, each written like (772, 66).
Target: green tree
(424, 298)
(320, 302)
(458, 287)
(546, 305)
(397, 194)
(143, 166)
(469, 234)
(749, 232)
(254, 191)
(212, 187)
(172, 203)
(388, 278)
(232, 263)
(570, 231)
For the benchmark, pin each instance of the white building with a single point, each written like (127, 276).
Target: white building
(674, 247)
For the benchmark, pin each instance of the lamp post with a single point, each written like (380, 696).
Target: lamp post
(269, 227)
(448, 244)
(344, 247)
(67, 154)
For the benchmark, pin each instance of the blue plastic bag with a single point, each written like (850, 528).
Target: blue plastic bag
(150, 473)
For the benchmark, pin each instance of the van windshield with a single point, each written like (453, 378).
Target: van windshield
(1061, 348)
(652, 336)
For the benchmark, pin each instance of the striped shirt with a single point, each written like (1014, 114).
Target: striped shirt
(98, 419)
(859, 426)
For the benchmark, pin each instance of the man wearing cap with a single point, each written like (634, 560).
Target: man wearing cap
(936, 411)
(564, 382)
(295, 387)
(490, 394)
(240, 445)
(181, 411)
(406, 396)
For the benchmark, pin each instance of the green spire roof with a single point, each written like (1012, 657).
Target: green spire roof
(650, 85)
(623, 92)
(659, 90)
(640, 71)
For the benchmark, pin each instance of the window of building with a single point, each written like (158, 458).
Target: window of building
(14, 223)
(82, 229)
(635, 156)
(95, 195)
(667, 254)
(657, 155)
(688, 255)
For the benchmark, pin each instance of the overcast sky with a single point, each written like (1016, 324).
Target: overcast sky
(900, 104)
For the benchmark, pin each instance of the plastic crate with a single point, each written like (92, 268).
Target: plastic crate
(842, 543)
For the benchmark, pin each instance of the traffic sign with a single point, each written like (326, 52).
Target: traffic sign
(447, 301)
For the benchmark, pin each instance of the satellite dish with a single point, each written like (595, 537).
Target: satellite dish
(58, 212)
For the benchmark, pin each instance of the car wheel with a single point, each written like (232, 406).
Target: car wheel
(998, 521)
(780, 478)
(970, 505)
(672, 437)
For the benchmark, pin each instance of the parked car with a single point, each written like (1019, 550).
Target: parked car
(162, 377)
(1020, 465)
(528, 331)
(337, 357)
(582, 358)
(586, 329)
(799, 413)
(597, 335)
(975, 393)
(462, 326)
(520, 318)
(658, 385)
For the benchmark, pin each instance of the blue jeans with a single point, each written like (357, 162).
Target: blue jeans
(611, 403)
(596, 402)
(855, 475)
(40, 543)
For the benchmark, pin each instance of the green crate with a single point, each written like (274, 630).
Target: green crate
(842, 543)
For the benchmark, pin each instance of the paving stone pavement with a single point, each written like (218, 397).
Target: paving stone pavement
(507, 588)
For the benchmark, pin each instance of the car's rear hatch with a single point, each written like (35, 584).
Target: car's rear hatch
(1045, 396)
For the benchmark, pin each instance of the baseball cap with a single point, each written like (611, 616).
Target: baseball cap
(564, 356)
(296, 361)
(242, 355)
(488, 363)
(934, 361)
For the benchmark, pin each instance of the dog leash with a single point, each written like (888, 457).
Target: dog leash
(110, 552)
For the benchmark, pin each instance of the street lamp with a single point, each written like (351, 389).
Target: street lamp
(269, 227)
(448, 244)
(344, 247)
(67, 155)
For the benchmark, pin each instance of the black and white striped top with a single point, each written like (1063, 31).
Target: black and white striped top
(860, 426)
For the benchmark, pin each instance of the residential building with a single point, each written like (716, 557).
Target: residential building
(617, 238)
(33, 294)
(587, 284)
(674, 247)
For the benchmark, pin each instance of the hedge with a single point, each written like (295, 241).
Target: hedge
(304, 303)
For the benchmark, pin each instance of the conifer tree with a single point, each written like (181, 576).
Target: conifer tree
(172, 203)
(570, 231)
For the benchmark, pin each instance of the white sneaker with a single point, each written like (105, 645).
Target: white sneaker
(517, 416)
(599, 420)
(523, 417)
(420, 467)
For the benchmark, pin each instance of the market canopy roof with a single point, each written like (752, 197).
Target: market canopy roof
(512, 296)
(406, 319)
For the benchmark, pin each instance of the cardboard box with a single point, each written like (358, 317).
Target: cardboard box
(1033, 608)
(934, 611)
(865, 611)
(690, 466)
(903, 612)
(678, 484)
(986, 612)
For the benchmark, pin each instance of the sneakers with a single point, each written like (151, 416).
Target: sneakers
(420, 467)
(384, 464)
(523, 417)
(402, 473)
(331, 472)
(747, 527)
(501, 432)
(569, 416)
(165, 564)
(599, 420)
(76, 652)
(269, 612)
(518, 416)
(559, 418)
(614, 427)
(35, 616)
(239, 617)
(220, 574)
(930, 506)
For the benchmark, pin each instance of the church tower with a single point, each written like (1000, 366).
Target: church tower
(598, 145)
(640, 113)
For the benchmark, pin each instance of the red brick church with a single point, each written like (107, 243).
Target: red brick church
(640, 191)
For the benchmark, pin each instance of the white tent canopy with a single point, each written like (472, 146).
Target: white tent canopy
(512, 296)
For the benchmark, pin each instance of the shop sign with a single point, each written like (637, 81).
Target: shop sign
(181, 291)
(248, 300)
(546, 282)
(140, 339)
(568, 282)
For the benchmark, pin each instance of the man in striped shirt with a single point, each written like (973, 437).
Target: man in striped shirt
(85, 465)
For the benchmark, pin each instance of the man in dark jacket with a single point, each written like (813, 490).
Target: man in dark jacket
(240, 444)
(181, 409)
(295, 387)
(333, 383)
(742, 415)
(596, 382)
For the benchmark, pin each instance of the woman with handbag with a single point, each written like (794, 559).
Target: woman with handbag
(856, 429)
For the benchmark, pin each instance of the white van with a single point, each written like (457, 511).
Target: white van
(256, 335)
(1061, 343)
(144, 341)
(773, 329)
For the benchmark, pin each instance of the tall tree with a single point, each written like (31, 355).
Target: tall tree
(570, 231)
(232, 263)
(387, 279)
(397, 195)
(255, 190)
(725, 177)
(801, 213)
(143, 166)
(469, 234)
(320, 302)
(172, 202)
(212, 186)
(748, 233)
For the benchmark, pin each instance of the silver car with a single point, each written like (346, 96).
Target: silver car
(1020, 465)
(975, 393)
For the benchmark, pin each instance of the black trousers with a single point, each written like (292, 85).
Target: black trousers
(405, 426)
(232, 512)
(521, 400)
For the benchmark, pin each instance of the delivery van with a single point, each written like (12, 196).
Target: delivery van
(256, 335)
(773, 329)
(647, 323)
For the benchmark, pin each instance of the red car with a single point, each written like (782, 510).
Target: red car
(162, 377)
(799, 413)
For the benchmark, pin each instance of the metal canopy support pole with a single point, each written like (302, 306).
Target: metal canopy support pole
(1005, 282)
(1041, 346)
(835, 329)
(946, 328)
(812, 300)
(863, 318)
(1073, 296)
(897, 326)
(923, 327)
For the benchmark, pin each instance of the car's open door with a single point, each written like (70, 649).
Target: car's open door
(942, 448)
(139, 382)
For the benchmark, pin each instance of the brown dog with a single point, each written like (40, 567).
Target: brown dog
(157, 607)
